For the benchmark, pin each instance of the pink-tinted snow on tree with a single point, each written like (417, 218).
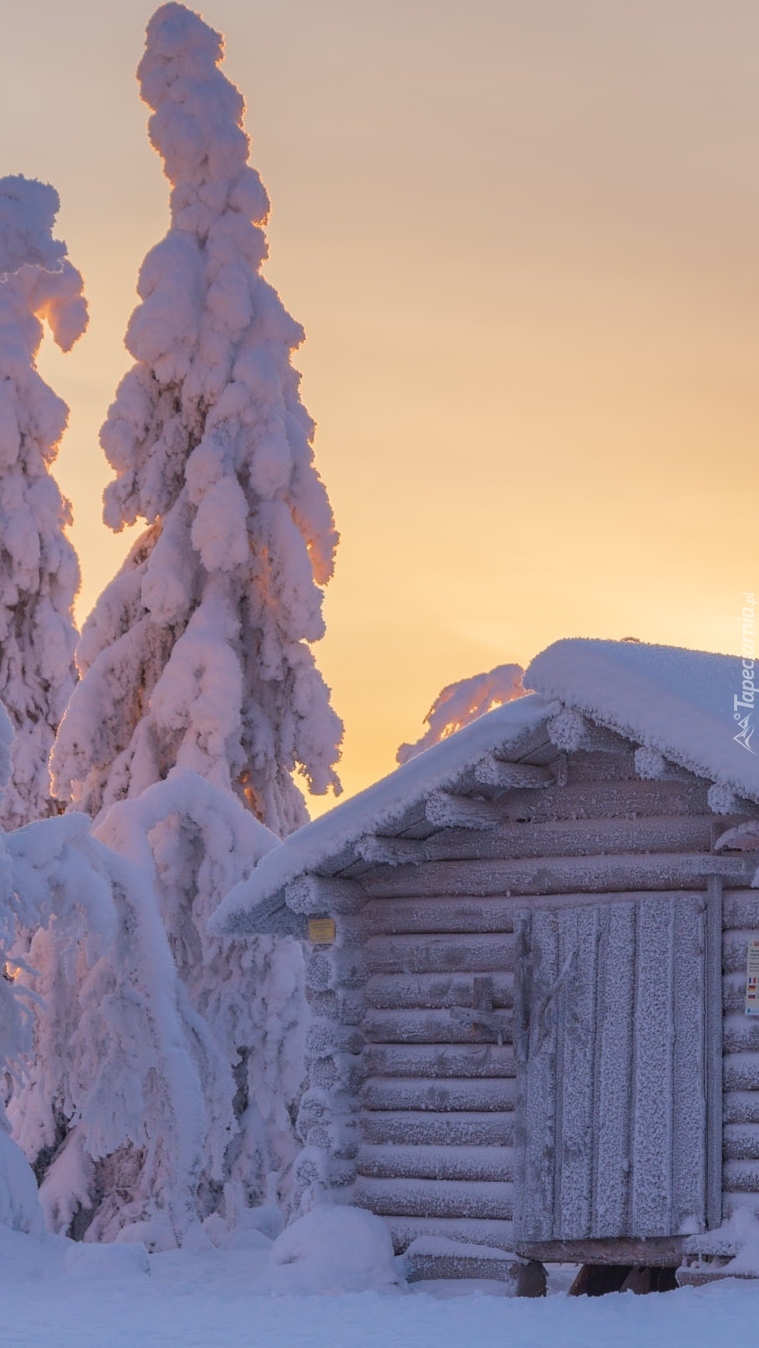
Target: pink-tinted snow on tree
(462, 702)
(39, 573)
(198, 653)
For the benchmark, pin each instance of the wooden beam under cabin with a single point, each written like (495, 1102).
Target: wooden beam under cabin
(652, 1252)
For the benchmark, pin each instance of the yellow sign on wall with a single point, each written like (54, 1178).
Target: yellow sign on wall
(321, 930)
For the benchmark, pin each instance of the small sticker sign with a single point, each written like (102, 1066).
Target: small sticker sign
(321, 931)
(752, 979)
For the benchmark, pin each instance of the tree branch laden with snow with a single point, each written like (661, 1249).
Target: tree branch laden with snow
(460, 703)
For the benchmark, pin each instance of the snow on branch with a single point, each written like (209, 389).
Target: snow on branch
(460, 703)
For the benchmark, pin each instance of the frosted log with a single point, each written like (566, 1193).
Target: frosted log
(386, 1127)
(557, 875)
(740, 1177)
(444, 810)
(432, 991)
(498, 1234)
(443, 914)
(342, 1072)
(378, 850)
(407, 954)
(319, 1106)
(740, 1033)
(421, 1027)
(469, 1094)
(429, 1198)
(315, 1167)
(741, 1107)
(608, 800)
(492, 771)
(321, 896)
(740, 1142)
(327, 1037)
(439, 914)
(327, 970)
(741, 1071)
(740, 910)
(340, 1138)
(571, 731)
(439, 1061)
(560, 837)
(346, 1005)
(457, 1163)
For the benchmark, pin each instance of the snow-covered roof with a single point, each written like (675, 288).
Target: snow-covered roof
(380, 807)
(677, 702)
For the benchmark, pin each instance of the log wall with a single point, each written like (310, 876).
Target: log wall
(394, 1077)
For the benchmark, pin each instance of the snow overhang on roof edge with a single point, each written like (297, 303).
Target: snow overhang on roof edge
(676, 701)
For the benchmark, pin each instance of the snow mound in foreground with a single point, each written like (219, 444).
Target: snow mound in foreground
(332, 1250)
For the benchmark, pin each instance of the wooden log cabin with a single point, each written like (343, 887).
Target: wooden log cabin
(527, 972)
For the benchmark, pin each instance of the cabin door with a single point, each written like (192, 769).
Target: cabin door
(611, 1039)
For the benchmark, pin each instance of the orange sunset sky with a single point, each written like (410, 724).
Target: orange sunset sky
(523, 239)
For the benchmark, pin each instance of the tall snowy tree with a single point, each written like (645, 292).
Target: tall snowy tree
(39, 574)
(198, 652)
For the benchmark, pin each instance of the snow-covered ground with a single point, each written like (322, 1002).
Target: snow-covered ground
(115, 1296)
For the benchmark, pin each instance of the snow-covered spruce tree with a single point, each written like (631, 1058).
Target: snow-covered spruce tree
(462, 702)
(125, 1104)
(198, 652)
(39, 574)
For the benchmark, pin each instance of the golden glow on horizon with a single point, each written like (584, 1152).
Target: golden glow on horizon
(522, 241)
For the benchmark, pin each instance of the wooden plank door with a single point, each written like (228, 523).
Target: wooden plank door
(611, 1040)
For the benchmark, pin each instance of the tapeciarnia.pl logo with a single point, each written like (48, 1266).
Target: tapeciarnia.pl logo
(745, 702)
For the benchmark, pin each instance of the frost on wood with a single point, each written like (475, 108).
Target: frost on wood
(39, 574)
(460, 703)
(198, 654)
(615, 985)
